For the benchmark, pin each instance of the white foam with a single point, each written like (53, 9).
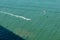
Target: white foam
(44, 12)
(17, 16)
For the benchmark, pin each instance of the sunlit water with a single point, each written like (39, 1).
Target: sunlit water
(44, 15)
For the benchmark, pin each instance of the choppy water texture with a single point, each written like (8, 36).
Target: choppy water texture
(43, 15)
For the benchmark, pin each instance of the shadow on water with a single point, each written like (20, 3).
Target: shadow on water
(5, 34)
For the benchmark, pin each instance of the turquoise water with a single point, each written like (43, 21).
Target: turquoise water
(44, 15)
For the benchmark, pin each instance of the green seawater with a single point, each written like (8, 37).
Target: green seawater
(44, 15)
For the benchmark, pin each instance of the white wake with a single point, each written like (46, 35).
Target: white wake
(17, 16)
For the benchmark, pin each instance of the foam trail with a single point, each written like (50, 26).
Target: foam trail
(44, 12)
(15, 15)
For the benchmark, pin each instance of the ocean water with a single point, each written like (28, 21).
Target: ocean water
(44, 15)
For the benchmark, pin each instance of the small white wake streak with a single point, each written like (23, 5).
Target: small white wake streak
(15, 15)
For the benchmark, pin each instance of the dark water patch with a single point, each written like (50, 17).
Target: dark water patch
(5, 34)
